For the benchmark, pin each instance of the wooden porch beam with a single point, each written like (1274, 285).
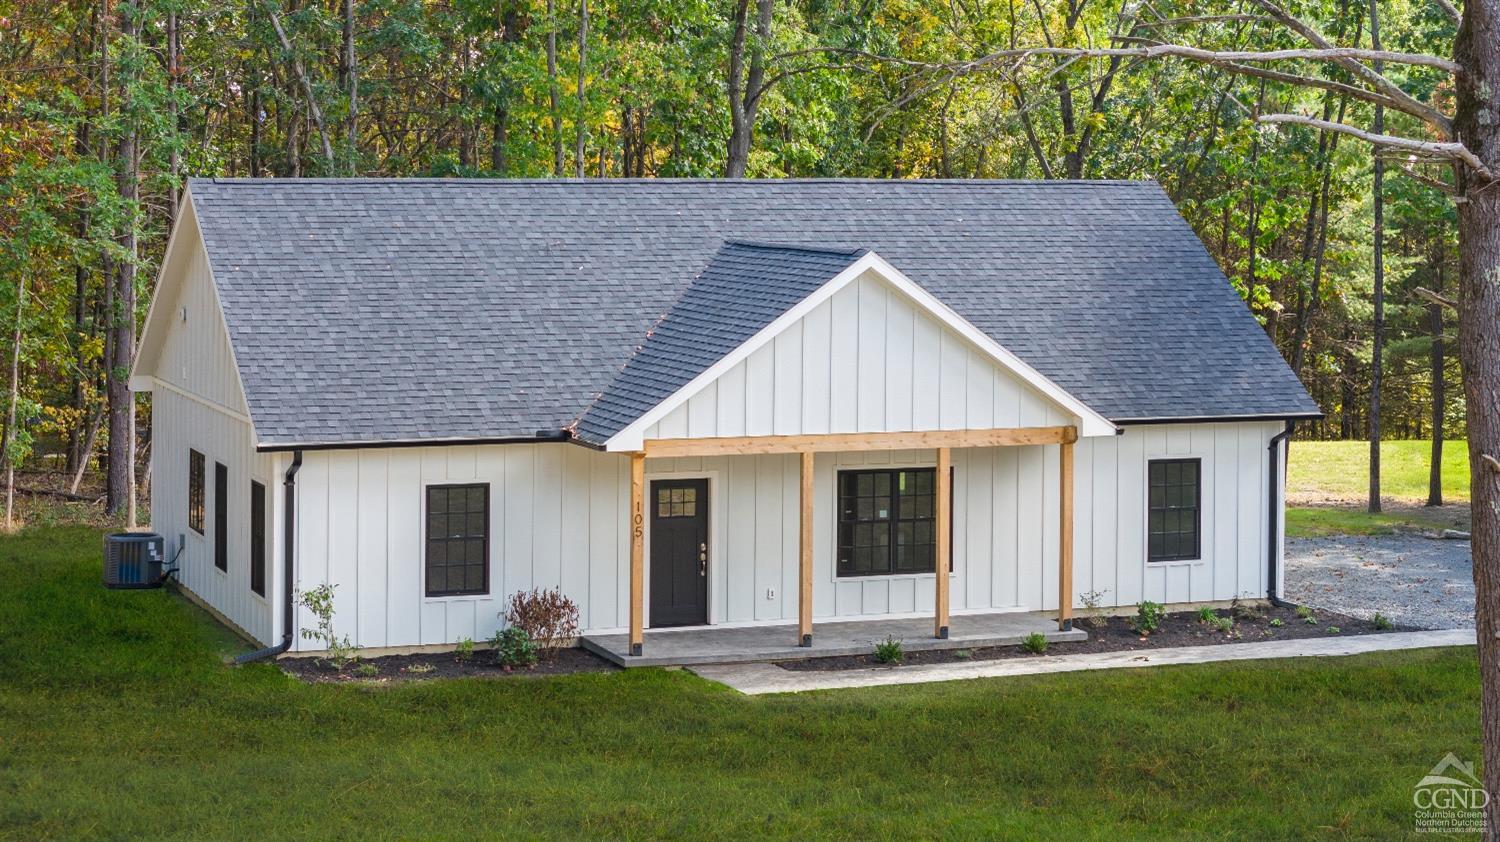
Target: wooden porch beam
(944, 542)
(1065, 537)
(819, 443)
(637, 551)
(805, 555)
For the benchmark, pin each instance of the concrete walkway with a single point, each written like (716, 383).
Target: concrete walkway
(755, 679)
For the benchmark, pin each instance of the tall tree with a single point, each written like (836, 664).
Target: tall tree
(1377, 351)
(747, 80)
(120, 482)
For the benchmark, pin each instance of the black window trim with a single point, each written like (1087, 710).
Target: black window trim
(221, 517)
(1197, 553)
(837, 522)
(426, 540)
(258, 559)
(197, 493)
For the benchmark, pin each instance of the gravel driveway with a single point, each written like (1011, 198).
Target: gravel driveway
(1414, 581)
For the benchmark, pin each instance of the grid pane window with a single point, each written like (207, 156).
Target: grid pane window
(886, 522)
(458, 519)
(1174, 499)
(677, 502)
(195, 491)
(258, 538)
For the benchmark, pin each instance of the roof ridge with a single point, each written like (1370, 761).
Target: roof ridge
(717, 182)
(847, 251)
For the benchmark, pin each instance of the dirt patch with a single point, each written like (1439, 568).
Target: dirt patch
(401, 668)
(1183, 628)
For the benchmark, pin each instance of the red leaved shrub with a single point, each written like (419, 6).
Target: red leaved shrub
(548, 618)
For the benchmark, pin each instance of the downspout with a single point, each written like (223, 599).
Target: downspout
(289, 486)
(1271, 508)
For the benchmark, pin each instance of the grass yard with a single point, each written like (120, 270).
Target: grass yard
(1328, 484)
(1340, 470)
(119, 720)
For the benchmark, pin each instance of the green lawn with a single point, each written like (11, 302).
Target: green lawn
(1328, 484)
(118, 719)
(1340, 470)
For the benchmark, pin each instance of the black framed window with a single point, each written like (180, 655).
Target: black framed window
(258, 538)
(458, 539)
(1174, 501)
(887, 522)
(221, 516)
(195, 491)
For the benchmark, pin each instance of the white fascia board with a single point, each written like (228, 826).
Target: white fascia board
(632, 437)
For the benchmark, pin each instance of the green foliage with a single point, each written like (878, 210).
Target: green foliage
(1276, 623)
(1148, 617)
(1381, 622)
(463, 651)
(1207, 614)
(319, 602)
(889, 651)
(1035, 643)
(513, 648)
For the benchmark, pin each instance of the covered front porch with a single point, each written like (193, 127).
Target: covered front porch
(694, 646)
(842, 635)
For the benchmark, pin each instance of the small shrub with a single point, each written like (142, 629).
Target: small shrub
(1035, 643)
(1208, 616)
(1333, 630)
(367, 670)
(319, 602)
(464, 650)
(513, 648)
(1276, 623)
(549, 619)
(1223, 624)
(420, 669)
(1311, 621)
(962, 654)
(1242, 610)
(889, 651)
(1381, 622)
(1304, 612)
(1092, 600)
(1148, 617)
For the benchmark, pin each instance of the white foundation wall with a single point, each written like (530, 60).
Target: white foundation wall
(557, 519)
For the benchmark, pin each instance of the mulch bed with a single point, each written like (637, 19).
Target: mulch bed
(390, 669)
(1180, 628)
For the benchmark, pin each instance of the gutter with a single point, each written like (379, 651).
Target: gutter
(541, 436)
(1274, 449)
(289, 536)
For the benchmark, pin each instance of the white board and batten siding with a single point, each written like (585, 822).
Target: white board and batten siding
(865, 360)
(557, 519)
(197, 404)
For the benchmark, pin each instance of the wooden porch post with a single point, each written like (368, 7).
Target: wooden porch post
(944, 542)
(637, 550)
(1065, 538)
(805, 553)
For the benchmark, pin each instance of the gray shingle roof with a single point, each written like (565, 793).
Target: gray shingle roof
(404, 310)
(744, 288)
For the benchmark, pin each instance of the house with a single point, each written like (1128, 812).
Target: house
(705, 403)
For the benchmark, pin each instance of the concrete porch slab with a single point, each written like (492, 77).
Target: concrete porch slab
(709, 645)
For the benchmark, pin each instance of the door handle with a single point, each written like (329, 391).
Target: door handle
(703, 559)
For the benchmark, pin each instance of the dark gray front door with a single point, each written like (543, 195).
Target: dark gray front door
(679, 552)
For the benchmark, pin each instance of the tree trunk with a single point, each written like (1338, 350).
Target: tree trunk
(554, 93)
(1378, 346)
(8, 445)
(349, 78)
(119, 489)
(1439, 389)
(581, 128)
(745, 87)
(1477, 121)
